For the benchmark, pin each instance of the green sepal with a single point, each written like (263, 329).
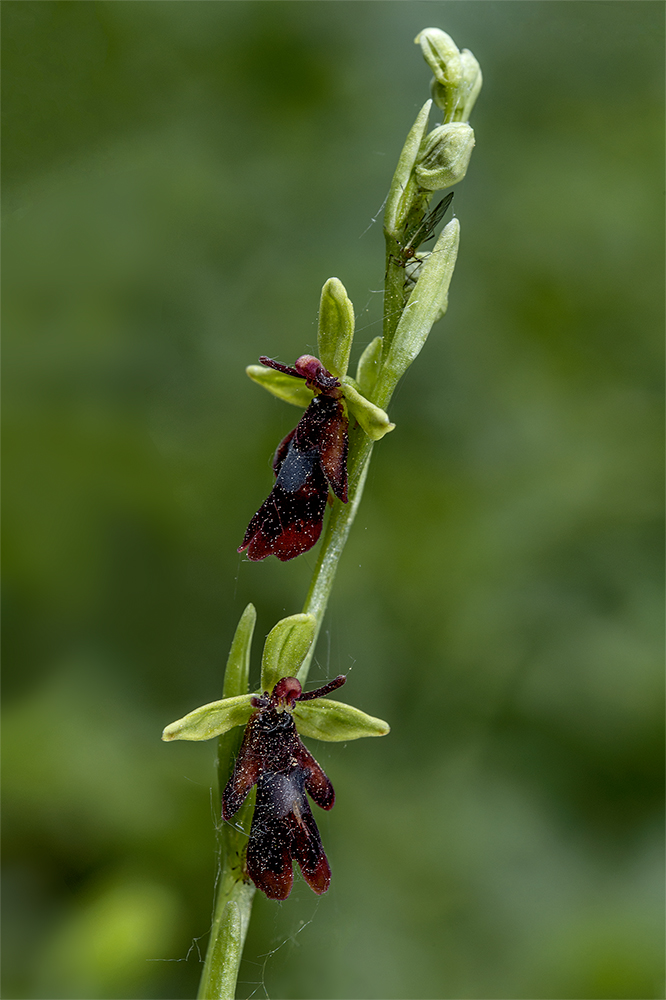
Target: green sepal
(336, 327)
(211, 720)
(426, 305)
(287, 387)
(237, 673)
(287, 645)
(373, 420)
(334, 721)
(401, 193)
(368, 367)
(470, 87)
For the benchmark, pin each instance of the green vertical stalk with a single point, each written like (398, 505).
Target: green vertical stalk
(428, 162)
(335, 537)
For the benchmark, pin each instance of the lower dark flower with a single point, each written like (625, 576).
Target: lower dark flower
(283, 830)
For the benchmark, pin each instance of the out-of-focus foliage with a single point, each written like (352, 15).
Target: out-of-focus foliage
(180, 178)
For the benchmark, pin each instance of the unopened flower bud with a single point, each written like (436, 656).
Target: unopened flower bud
(470, 85)
(446, 156)
(443, 56)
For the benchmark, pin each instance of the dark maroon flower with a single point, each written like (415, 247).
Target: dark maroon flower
(273, 757)
(309, 460)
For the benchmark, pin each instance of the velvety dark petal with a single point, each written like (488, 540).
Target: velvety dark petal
(269, 854)
(318, 786)
(286, 524)
(310, 458)
(283, 827)
(281, 451)
(246, 769)
(315, 780)
(308, 851)
(323, 428)
(333, 446)
(269, 861)
(289, 521)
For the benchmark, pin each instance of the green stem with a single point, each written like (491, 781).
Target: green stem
(235, 893)
(335, 537)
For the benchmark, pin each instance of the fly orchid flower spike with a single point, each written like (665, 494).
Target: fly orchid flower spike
(313, 457)
(272, 755)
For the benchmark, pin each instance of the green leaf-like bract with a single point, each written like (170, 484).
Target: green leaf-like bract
(211, 720)
(291, 390)
(334, 721)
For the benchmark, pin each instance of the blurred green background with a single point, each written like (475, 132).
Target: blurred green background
(180, 178)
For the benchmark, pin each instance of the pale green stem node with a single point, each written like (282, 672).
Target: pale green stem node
(287, 645)
(336, 327)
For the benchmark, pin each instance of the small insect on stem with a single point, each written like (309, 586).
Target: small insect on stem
(424, 231)
(273, 757)
(312, 458)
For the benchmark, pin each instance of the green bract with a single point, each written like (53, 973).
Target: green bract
(427, 303)
(237, 674)
(291, 390)
(334, 721)
(373, 420)
(403, 185)
(211, 720)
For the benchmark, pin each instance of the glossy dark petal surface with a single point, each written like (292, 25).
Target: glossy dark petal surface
(308, 460)
(283, 830)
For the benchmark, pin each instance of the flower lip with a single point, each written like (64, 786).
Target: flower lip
(273, 757)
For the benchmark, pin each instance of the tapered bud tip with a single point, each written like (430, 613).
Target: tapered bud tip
(441, 53)
(457, 76)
